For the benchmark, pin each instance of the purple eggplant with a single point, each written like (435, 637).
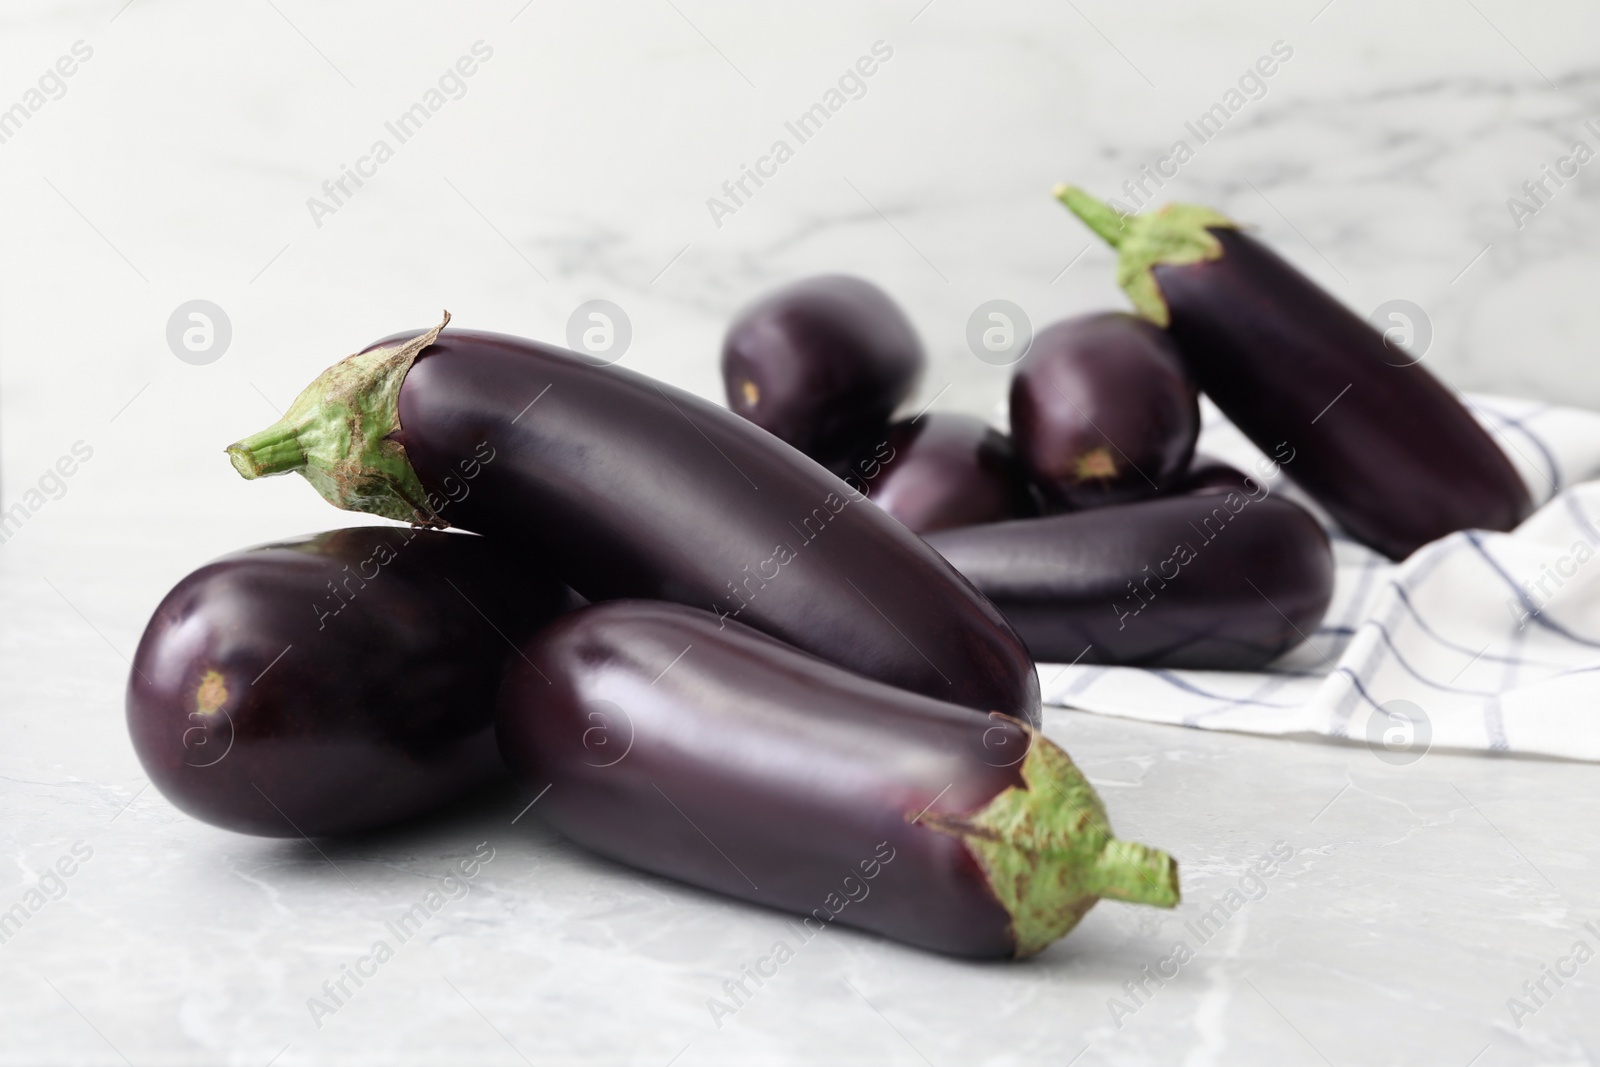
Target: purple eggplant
(1388, 450)
(1102, 411)
(1214, 580)
(333, 683)
(1207, 474)
(626, 487)
(662, 737)
(940, 470)
(822, 364)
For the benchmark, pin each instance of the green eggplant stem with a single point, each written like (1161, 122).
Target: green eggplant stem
(1175, 235)
(1107, 222)
(1048, 853)
(275, 450)
(339, 435)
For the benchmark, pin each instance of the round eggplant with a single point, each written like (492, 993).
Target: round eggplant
(1102, 411)
(699, 749)
(1215, 580)
(333, 683)
(1379, 442)
(940, 470)
(822, 364)
(625, 487)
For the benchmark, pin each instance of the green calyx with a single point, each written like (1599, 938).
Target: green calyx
(337, 435)
(1048, 853)
(1174, 235)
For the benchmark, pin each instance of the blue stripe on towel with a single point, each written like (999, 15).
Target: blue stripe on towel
(1533, 612)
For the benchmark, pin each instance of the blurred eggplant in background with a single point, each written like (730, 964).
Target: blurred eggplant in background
(1225, 580)
(1388, 450)
(942, 470)
(1103, 411)
(821, 364)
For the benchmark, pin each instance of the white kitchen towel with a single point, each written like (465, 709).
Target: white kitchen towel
(1478, 641)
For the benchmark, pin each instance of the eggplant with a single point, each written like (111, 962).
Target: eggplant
(332, 683)
(1219, 581)
(1207, 474)
(1387, 449)
(670, 741)
(625, 487)
(1103, 411)
(940, 470)
(821, 364)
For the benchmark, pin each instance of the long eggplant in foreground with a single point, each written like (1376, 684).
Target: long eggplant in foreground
(1391, 453)
(626, 487)
(332, 683)
(1222, 580)
(707, 752)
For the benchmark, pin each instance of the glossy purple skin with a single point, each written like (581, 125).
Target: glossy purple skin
(354, 678)
(1113, 585)
(1207, 474)
(627, 487)
(941, 470)
(1385, 447)
(821, 364)
(1102, 411)
(722, 758)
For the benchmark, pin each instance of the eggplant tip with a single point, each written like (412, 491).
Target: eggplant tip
(1048, 854)
(240, 458)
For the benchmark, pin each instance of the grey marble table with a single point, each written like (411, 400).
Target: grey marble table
(158, 152)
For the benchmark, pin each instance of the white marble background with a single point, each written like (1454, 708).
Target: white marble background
(177, 165)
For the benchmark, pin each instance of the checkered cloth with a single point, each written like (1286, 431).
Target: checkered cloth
(1478, 641)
